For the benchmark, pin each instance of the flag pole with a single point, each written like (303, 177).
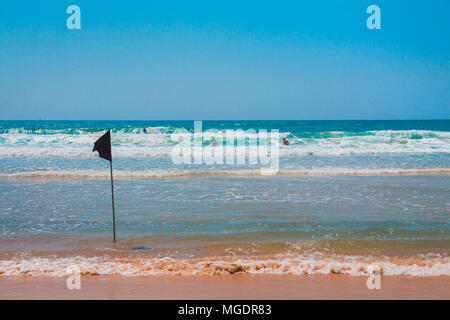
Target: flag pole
(112, 196)
(103, 146)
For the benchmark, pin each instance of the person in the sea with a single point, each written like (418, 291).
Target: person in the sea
(144, 130)
(214, 142)
(285, 142)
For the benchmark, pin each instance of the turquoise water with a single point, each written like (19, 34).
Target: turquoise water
(361, 190)
(27, 146)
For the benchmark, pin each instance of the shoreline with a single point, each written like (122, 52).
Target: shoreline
(237, 287)
(45, 176)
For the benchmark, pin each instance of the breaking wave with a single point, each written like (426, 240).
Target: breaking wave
(420, 265)
(159, 141)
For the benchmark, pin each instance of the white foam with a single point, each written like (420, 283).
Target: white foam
(303, 264)
(159, 142)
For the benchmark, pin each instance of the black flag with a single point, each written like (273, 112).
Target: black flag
(103, 146)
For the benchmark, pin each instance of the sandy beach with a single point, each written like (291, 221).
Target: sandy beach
(226, 287)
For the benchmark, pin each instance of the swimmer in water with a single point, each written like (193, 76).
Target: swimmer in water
(285, 142)
(144, 130)
(214, 143)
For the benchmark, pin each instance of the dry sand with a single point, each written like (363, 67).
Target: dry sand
(227, 287)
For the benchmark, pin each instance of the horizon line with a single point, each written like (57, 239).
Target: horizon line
(140, 120)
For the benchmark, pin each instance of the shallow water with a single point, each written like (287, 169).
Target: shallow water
(284, 220)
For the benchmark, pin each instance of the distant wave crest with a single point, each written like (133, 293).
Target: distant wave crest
(158, 142)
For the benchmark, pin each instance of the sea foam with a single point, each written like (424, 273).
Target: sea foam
(298, 265)
(159, 141)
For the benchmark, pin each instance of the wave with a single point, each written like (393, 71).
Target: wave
(405, 134)
(159, 142)
(81, 131)
(419, 265)
(142, 174)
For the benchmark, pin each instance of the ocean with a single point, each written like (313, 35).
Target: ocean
(348, 195)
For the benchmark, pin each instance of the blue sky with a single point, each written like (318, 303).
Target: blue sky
(225, 60)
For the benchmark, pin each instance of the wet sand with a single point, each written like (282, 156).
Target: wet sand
(226, 287)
